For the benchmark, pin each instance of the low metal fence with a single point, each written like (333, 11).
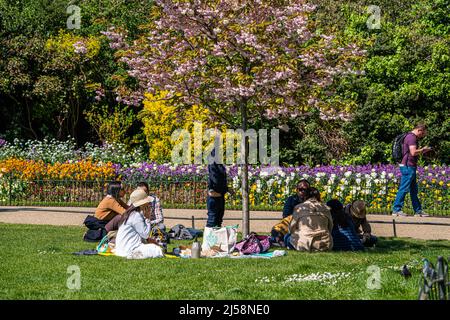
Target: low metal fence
(186, 193)
(393, 222)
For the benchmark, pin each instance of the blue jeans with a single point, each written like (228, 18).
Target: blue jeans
(408, 184)
(287, 241)
(216, 210)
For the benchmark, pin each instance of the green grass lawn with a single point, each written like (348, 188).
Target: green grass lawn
(34, 261)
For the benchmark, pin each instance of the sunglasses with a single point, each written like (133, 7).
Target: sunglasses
(302, 189)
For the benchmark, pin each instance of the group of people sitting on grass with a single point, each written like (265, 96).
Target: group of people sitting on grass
(309, 224)
(129, 225)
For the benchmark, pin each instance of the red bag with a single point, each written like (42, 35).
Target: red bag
(253, 243)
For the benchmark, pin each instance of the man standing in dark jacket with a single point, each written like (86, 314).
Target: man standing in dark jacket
(217, 187)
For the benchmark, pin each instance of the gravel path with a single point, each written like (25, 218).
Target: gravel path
(69, 216)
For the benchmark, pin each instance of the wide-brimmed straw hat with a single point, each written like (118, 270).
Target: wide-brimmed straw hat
(139, 197)
(358, 209)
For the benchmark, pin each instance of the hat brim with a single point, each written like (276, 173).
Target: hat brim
(359, 214)
(141, 202)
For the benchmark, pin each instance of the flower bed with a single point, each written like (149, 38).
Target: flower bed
(269, 186)
(185, 186)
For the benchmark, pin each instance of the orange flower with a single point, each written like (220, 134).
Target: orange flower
(81, 170)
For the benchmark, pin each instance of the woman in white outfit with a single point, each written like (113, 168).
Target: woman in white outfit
(135, 228)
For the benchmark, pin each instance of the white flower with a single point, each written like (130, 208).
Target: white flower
(320, 174)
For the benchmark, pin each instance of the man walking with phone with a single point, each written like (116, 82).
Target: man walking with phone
(408, 169)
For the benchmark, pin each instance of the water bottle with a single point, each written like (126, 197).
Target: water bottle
(196, 249)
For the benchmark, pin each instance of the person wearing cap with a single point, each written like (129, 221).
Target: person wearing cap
(134, 229)
(345, 237)
(357, 211)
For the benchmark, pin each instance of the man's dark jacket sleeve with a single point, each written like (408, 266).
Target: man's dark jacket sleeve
(217, 179)
(289, 205)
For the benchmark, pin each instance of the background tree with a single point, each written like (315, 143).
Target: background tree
(243, 61)
(50, 75)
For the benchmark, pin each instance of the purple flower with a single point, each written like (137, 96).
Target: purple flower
(80, 47)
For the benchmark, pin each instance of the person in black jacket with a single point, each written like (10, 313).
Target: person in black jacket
(296, 199)
(217, 187)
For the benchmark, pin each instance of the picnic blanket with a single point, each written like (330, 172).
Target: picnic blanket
(237, 255)
(91, 252)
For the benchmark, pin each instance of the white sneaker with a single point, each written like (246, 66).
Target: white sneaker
(399, 214)
(421, 213)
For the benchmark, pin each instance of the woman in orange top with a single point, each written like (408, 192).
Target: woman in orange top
(111, 206)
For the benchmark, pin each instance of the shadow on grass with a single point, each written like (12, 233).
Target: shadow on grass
(386, 245)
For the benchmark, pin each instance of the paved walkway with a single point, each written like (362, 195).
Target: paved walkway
(70, 216)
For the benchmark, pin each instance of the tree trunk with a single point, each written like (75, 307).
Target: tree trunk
(245, 195)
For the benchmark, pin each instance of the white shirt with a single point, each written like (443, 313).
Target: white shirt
(131, 233)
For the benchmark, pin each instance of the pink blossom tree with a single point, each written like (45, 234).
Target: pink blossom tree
(243, 60)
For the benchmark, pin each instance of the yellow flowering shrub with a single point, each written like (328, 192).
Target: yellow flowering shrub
(160, 121)
(65, 44)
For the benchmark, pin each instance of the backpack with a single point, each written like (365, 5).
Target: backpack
(180, 232)
(92, 223)
(94, 235)
(397, 147)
